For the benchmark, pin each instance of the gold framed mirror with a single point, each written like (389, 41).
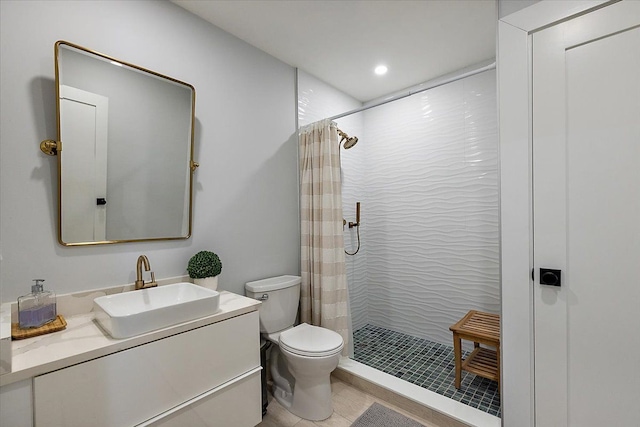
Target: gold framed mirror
(125, 150)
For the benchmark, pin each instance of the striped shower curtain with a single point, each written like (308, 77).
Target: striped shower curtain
(324, 297)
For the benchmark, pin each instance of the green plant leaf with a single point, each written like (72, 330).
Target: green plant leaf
(204, 264)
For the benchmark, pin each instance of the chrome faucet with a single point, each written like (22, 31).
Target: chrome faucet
(140, 284)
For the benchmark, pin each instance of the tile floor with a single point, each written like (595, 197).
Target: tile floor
(424, 363)
(348, 404)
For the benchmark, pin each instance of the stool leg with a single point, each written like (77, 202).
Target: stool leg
(498, 365)
(457, 349)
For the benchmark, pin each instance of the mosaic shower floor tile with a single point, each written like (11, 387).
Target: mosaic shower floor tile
(424, 363)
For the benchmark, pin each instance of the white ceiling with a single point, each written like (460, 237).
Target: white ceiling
(341, 42)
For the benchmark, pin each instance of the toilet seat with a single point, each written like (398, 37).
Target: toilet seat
(311, 341)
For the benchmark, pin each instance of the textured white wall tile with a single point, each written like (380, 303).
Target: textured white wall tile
(430, 209)
(317, 100)
(425, 171)
(353, 190)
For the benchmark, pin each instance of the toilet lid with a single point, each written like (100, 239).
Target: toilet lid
(307, 340)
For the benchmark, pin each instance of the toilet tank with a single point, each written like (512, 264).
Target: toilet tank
(280, 307)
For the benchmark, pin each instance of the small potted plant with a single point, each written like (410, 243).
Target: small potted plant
(204, 268)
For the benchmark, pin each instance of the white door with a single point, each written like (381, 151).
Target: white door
(586, 177)
(83, 164)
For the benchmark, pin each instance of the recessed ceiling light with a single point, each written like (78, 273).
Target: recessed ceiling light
(380, 70)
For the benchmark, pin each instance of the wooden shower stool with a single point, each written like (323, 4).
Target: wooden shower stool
(481, 328)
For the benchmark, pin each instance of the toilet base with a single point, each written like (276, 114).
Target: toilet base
(284, 398)
(307, 396)
(311, 401)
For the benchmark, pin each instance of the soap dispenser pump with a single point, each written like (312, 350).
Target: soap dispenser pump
(37, 308)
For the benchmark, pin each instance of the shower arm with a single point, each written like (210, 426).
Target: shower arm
(342, 135)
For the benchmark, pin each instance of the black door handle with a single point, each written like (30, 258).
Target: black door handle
(101, 201)
(550, 277)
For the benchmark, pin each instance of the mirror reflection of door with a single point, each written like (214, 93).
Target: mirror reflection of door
(83, 161)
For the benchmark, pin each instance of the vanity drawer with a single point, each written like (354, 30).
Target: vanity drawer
(236, 403)
(135, 385)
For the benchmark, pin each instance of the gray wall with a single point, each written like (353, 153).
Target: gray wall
(507, 7)
(246, 192)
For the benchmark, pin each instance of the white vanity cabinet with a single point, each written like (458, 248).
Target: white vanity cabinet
(203, 377)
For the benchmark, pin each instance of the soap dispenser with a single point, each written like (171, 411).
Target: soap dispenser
(37, 308)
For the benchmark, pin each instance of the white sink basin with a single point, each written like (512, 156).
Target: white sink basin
(137, 312)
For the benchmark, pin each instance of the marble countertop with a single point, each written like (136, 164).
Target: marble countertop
(84, 340)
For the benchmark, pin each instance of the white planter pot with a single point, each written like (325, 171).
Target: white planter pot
(207, 282)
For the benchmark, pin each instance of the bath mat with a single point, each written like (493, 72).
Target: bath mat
(381, 416)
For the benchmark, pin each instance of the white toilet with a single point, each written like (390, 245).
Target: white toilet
(303, 356)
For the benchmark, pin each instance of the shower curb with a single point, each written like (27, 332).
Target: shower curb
(438, 419)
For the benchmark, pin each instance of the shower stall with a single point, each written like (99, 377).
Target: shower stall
(424, 177)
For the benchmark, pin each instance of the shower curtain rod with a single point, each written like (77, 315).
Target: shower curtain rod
(417, 89)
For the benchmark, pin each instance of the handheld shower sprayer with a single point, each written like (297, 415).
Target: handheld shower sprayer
(354, 224)
(357, 223)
